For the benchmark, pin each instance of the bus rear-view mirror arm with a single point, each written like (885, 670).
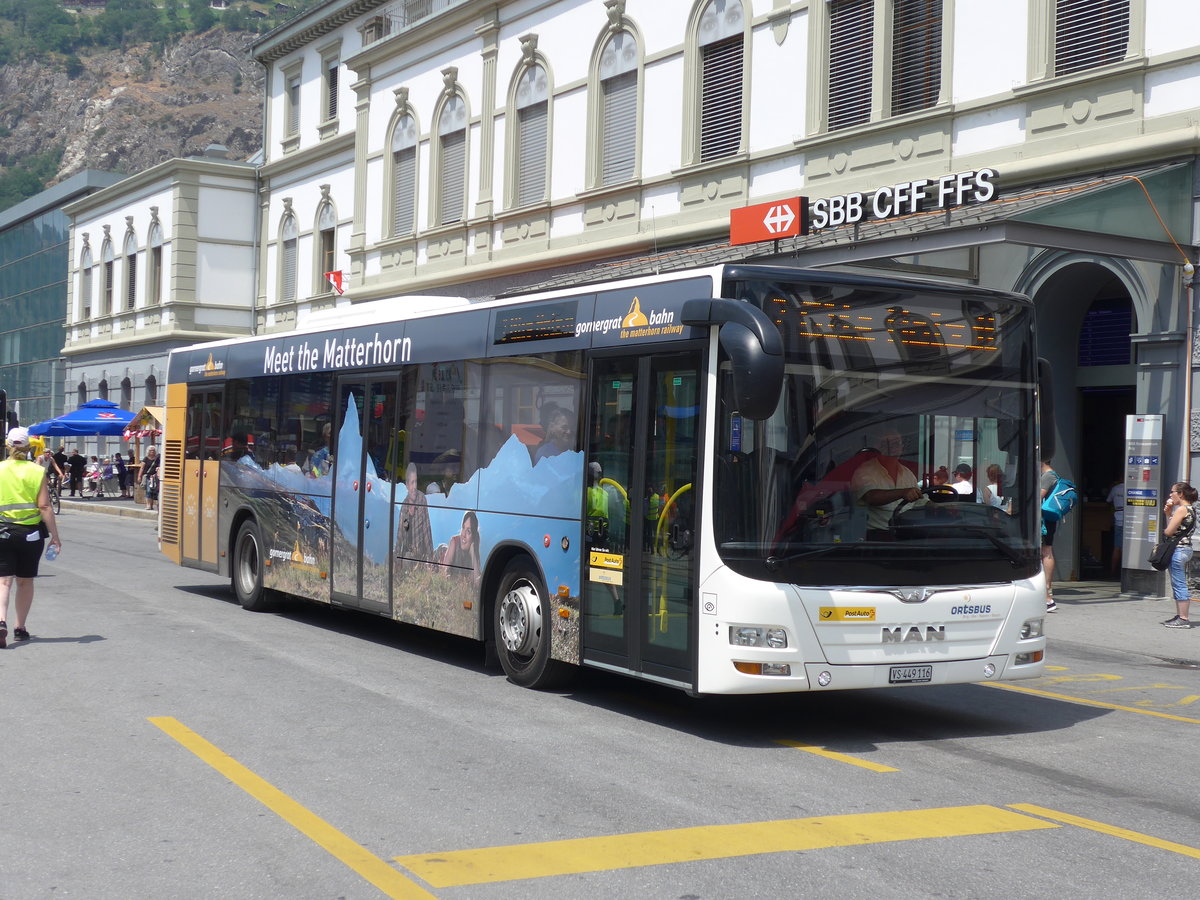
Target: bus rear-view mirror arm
(1046, 408)
(755, 350)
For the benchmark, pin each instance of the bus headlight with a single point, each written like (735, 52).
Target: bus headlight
(772, 636)
(1032, 629)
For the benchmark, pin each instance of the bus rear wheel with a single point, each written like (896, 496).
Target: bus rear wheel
(521, 618)
(248, 568)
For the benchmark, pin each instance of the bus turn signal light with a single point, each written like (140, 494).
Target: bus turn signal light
(751, 668)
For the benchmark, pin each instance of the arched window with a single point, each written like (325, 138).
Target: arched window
(721, 39)
(452, 161)
(130, 270)
(404, 176)
(154, 277)
(618, 108)
(102, 391)
(287, 259)
(106, 299)
(531, 101)
(126, 393)
(151, 390)
(85, 285)
(326, 246)
(81, 394)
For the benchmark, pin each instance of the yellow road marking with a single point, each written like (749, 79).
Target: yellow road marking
(839, 757)
(629, 851)
(1135, 836)
(1085, 702)
(354, 855)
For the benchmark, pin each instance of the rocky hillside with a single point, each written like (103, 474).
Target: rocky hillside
(129, 110)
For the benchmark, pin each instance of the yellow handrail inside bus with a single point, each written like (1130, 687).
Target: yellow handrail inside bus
(661, 569)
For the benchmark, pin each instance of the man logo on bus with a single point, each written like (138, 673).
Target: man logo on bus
(635, 318)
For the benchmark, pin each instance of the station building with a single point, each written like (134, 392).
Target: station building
(472, 149)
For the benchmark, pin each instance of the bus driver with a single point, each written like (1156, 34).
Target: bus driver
(882, 482)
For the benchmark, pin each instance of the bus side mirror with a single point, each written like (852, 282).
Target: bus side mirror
(1046, 408)
(755, 350)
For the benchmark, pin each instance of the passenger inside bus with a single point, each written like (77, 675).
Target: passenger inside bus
(559, 432)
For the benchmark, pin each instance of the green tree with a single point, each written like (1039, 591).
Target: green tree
(126, 22)
(202, 17)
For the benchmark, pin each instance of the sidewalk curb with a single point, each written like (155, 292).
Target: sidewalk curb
(103, 507)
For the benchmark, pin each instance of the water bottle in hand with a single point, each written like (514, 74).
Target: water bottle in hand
(52, 552)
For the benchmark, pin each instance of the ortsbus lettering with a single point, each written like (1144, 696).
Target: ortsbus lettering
(905, 198)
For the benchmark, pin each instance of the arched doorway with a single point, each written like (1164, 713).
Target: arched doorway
(1085, 315)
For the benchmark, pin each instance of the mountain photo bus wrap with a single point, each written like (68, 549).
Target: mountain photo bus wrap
(728, 480)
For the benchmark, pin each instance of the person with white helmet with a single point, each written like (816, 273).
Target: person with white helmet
(26, 520)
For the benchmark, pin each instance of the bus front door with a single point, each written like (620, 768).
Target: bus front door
(201, 479)
(366, 464)
(640, 490)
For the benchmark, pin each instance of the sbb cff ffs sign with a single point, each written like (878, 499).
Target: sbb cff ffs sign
(795, 216)
(768, 221)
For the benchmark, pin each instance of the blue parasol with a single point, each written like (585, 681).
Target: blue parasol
(94, 417)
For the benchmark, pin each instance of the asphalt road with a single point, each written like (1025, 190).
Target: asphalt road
(158, 741)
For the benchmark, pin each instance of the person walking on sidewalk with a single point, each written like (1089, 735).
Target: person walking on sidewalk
(26, 519)
(1181, 519)
(1049, 526)
(150, 477)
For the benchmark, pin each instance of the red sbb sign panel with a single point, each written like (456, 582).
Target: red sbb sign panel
(768, 221)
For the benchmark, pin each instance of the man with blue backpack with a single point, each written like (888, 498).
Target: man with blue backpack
(1059, 497)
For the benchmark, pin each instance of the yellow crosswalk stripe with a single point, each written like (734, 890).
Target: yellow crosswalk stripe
(627, 851)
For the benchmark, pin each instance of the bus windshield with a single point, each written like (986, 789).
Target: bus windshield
(905, 425)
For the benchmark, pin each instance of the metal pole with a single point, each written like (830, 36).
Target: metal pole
(1186, 455)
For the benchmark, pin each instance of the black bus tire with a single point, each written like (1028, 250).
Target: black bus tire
(521, 617)
(247, 575)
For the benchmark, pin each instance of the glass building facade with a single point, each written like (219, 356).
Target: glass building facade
(34, 248)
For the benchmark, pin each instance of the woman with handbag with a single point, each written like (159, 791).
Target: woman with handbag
(1181, 521)
(26, 520)
(150, 477)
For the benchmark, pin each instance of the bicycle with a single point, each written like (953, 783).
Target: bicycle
(55, 485)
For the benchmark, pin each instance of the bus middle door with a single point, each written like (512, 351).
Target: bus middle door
(639, 574)
(201, 479)
(366, 464)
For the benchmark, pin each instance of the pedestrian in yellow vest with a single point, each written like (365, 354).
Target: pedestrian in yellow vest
(26, 520)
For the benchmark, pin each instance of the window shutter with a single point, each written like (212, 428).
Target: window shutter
(287, 286)
(618, 141)
(916, 54)
(293, 124)
(1089, 34)
(404, 176)
(288, 289)
(452, 190)
(851, 34)
(85, 291)
(156, 276)
(130, 280)
(108, 288)
(531, 153)
(721, 98)
(404, 191)
(332, 83)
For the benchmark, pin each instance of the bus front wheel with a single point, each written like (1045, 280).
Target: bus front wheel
(522, 627)
(248, 568)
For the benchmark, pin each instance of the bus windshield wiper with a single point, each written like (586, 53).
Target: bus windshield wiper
(1015, 557)
(773, 563)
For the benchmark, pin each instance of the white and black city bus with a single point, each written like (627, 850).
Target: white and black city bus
(729, 480)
